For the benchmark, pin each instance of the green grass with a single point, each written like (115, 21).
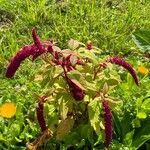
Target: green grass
(108, 25)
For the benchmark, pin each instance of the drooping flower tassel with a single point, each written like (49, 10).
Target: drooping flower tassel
(24, 53)
(119, 61)
(35, 50)
(40, 114)
(107, 122)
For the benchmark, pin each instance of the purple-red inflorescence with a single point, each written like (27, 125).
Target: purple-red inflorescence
(119, 61)
(107, 122)
(40, 49)
(24, 53)
(34, 50)
(40, 116)
(36, 39)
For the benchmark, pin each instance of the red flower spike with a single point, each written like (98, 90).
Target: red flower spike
(40, 114)
(25, 52)
(35, 50)
(36, 39)
(108, 123)
(40, 48)
(119, 61)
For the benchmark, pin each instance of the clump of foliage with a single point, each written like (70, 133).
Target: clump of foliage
(75, 86)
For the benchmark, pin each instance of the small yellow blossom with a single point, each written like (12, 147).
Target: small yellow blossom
(8, 110)
(143, 70)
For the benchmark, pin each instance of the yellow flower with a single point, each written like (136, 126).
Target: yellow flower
(8, 110)
(143, 70)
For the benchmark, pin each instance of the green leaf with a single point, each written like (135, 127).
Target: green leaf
(138, 102)
(91, 86)
(15, 129)
(77, 78)
(117, 125)
(88, 54)
(64, 108)
(105, 88)
(136, 123)
(2, 139)
(142, 39)
(142, 134)
(141, 115)
(125, 123)
(112, 82)
(75, 74)
(146, 105)
(64, 127)
(87, 128)
(48, 77)
(72, 138)
(94, 113)
(128, 138)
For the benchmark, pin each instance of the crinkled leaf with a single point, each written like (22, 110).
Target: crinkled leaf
(142, 39)
(64, 108)
(73, 44)
(88, 54)
(91, 86)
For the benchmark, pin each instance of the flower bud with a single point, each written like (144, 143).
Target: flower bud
(89, 45)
